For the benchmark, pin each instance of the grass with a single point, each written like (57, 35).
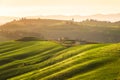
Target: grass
(47, 60)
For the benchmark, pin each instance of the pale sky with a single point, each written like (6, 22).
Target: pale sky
(58, 7)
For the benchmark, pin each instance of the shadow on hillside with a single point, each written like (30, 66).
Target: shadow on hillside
(29, 39)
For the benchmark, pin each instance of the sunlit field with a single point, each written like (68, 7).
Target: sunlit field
(59, 39)
(48, 60)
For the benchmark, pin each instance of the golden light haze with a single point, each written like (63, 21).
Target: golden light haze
(58, 7)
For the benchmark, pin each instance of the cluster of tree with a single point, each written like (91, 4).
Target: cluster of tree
(92, 22)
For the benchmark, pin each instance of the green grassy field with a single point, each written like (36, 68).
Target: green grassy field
(47, 60)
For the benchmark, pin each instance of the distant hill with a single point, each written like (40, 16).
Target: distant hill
(88, 30)
(100, 17)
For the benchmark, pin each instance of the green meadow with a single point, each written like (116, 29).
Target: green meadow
(49, 60)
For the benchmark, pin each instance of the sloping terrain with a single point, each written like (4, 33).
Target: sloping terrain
(89, 30)
(45, 60)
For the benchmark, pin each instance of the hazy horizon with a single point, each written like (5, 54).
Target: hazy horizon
(21, 8)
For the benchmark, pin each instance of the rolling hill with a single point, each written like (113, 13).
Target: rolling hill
(48, 60)
(46, 29)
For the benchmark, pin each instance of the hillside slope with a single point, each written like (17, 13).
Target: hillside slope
(45, 60)
(89, 30)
